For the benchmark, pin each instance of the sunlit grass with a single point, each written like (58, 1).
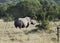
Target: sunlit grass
(10, 34)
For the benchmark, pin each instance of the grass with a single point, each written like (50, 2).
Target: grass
(10, 34)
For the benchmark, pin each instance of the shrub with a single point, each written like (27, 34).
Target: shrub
(46, 24)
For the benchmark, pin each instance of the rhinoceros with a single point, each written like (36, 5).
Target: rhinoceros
(21, 23)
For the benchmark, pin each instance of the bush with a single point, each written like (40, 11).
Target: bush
(8, 19)
(46, 24)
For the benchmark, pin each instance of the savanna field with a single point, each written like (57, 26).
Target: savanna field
(46, 13)
(10, 34)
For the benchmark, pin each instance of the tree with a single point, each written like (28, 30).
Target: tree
(3, 8)
(25, 8)
(48, 12)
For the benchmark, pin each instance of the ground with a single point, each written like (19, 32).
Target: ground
(10, 34)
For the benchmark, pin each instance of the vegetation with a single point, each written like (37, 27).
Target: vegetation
(37, 9)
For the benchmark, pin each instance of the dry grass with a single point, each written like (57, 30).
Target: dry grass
(9, 34)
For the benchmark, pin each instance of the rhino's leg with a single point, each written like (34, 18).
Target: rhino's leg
(15, 25)
(23, 26)
(27, 25)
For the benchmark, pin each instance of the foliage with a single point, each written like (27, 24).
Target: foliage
(41, 10)
(46, 25)
(3, 8)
